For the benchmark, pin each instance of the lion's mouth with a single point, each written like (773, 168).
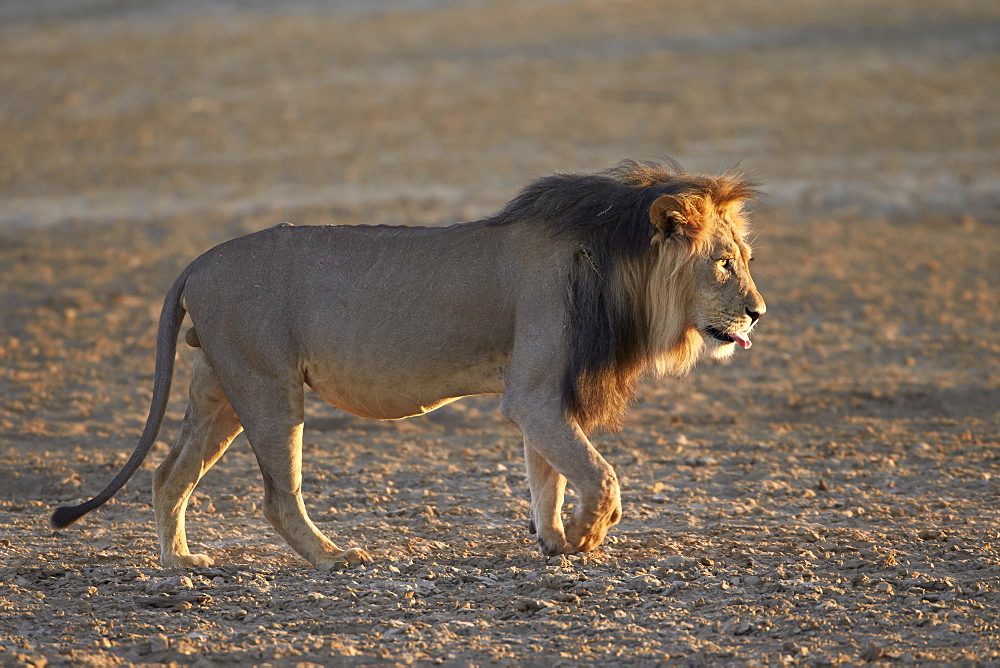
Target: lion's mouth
(725, 337)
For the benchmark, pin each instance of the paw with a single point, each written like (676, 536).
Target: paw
(552, 542)
(186, 561)
(585, 539)
(347, 559)
(551, 549)
(586, 532)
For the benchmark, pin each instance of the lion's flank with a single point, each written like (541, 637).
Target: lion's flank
(619, 323)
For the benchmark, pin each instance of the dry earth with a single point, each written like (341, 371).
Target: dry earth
(831, 496)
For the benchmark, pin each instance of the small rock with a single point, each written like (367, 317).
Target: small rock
(644, 583)
(871, 652)
(884, 587)
(701, 461)
(159, 643)
(973, 588)
(555, 582)
(398, 632)
(170, 585)
(677, 562)
(736, 626)
(931, 534)
(525, 604)
(176, 601)
(810, 535)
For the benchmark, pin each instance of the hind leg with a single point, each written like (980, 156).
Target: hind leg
(275, 434)
(210, 425)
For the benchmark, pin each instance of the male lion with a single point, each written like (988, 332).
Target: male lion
(559, 302)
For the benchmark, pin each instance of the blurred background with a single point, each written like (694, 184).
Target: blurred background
(136, 134)
(424, 111)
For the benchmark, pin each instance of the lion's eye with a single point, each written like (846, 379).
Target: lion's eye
(726, 263)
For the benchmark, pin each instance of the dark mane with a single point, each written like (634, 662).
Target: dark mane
(608, 214)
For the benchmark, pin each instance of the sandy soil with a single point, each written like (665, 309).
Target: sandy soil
(830, 496)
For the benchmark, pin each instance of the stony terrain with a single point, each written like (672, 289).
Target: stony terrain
(830, 496)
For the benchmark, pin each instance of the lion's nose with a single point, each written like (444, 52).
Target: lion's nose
(754, 315)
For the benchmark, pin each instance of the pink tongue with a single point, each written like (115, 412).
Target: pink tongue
(741, 341)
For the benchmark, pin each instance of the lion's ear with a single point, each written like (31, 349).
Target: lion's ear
(674, 217)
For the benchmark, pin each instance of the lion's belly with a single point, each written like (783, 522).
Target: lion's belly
(390, 396)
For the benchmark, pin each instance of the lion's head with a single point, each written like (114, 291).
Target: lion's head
(702, 256)
(658, 275)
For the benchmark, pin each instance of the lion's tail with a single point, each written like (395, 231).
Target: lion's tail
(166, 347)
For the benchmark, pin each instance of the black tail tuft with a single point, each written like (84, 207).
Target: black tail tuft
(65, 515)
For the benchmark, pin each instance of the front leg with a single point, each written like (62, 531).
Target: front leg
(590, 522)
(548, 488)
(556, 450)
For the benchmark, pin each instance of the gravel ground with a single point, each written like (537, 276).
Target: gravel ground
(828, 497)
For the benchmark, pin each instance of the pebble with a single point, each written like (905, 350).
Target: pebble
(736, 626)
(872, 652)
(170, 585)
(676, 563)
(397, 632)
(701, 461)
(644, 583)
(525, 604)
(159, 643)
(559, 560)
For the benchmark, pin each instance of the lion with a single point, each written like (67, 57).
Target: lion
(558, 303)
